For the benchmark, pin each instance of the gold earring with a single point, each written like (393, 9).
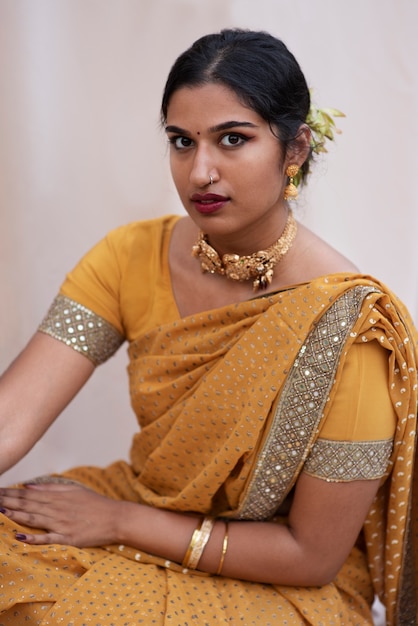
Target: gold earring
(291, 192)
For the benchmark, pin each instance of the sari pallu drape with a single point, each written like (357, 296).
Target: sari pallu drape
(225, 409)
(212, 394)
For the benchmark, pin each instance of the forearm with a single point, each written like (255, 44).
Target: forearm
(257, 551)
(323, 524)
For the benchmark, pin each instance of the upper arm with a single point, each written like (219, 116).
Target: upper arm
(325, 520)
(344, 469)
(34, 390)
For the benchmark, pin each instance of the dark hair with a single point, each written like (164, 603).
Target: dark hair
(257, 67)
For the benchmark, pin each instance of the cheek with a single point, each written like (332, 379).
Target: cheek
(177, 174)
(264, 180)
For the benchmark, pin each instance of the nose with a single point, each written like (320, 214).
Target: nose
(203, 167)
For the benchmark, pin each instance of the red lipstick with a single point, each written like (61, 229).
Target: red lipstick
(208, 202)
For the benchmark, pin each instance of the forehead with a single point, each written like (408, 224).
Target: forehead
(206, 106)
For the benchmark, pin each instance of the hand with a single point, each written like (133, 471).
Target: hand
(69, 514)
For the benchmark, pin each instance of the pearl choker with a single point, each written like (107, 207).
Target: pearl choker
(258, 266)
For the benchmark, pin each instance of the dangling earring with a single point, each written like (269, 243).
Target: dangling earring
(291, 192)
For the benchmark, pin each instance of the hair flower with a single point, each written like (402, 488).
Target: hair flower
(322, 126)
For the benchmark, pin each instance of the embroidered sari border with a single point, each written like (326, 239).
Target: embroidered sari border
(301, 406)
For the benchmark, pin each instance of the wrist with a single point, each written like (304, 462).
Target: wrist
(127, 523)
(157, 531)
(168, 534)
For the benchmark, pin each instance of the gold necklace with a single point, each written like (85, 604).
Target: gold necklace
(258, 266)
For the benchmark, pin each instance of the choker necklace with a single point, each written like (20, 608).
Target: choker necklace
(258, 266)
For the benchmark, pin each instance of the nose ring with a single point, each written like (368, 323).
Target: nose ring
(210, 179)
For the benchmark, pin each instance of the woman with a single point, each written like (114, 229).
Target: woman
(274, 385)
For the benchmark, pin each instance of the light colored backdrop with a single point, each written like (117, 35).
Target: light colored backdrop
(81, 152)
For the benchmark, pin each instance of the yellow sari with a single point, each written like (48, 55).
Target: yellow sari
(233, 404)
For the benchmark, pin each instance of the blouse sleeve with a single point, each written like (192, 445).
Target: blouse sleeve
(356, 440)
(85, 315)
(117, 290)
(81, 329)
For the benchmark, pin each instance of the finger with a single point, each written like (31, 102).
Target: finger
(34, 498)
(24, 503)
(11, 492)
(42, 538)
(10, 497)
(24, 518)
(29, 511)
(48, 487)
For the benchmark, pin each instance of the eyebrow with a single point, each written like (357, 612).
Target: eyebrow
(212, 129)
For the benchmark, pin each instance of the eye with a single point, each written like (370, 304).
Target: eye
(231, 140)
(180, 142)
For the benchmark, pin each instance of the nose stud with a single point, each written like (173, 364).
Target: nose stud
(210, 179)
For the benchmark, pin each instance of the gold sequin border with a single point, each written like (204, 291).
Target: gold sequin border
(301, 406)
(81, 329)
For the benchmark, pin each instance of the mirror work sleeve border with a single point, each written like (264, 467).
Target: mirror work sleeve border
(81, 329)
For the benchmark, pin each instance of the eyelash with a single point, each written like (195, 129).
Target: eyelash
(242, 139)
(173, 141)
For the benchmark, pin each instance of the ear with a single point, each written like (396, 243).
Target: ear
(300, 147)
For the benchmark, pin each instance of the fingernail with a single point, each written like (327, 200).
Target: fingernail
(20, 537)
(2, 510)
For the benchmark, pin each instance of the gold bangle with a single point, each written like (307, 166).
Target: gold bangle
(224, 549)
(195, 537)
(200, 543)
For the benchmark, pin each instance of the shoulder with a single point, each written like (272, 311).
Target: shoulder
(123, 244)
(315, 257)
(143, 231)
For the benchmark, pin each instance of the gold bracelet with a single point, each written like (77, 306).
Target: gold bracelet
(224, 549)
(200, 543)
(195, 537)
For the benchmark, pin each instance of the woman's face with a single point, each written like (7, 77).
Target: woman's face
(212, 133)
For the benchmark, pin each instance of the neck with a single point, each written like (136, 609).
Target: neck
(248, 240)
(258, 267)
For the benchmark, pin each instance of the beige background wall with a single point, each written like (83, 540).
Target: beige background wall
(81, 152)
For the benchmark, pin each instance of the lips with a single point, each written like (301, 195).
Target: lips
(208, 202)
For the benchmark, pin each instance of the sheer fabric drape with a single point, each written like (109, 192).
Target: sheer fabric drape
(81, 152)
